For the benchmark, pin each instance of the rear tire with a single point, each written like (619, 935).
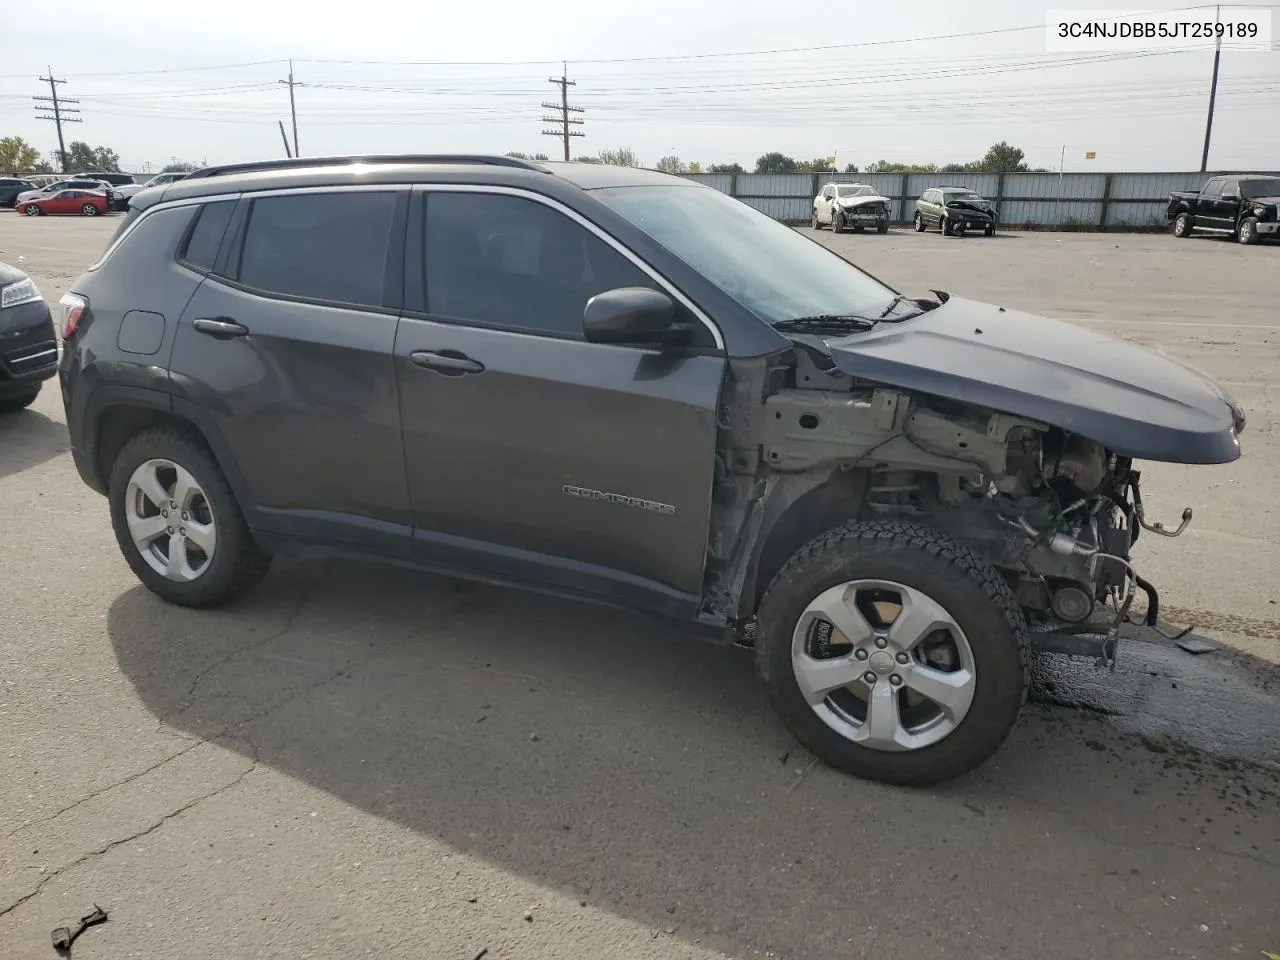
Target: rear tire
(936, 575)
(15, 402)
(1182, 226)
(89, 210)
(233, 563)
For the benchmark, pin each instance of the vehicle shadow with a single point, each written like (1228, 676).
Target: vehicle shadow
(607, 755)
(27, 439)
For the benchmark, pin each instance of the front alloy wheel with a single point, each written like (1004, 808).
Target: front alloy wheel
(919, 223)
(32, 210)
(1182, 226)
(1248, 232)
(893, 652)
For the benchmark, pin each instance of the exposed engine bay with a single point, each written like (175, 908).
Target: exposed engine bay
(1055, 513)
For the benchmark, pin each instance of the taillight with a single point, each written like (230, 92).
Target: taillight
(73, 308)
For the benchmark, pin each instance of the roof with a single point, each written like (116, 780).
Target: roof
(438, 168)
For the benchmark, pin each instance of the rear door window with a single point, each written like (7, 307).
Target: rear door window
(330, 247)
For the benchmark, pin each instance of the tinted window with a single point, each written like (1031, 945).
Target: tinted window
(321, 246)
(206, 235)
(1212, 189)
(516, 264)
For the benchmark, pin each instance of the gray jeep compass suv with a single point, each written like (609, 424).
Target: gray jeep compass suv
(623, 386)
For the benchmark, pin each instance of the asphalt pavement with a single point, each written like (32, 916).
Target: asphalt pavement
(358, 761)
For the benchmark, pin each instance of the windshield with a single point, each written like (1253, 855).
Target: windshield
(1269, 187)
(772, 270)
(960, 195)
(858, 191)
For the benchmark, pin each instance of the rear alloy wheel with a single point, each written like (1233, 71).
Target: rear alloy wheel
(1182, 226)
(177, 521)
(893, 652)
(89, 210)
(1248, 232)
(919, 223)
(32, 210)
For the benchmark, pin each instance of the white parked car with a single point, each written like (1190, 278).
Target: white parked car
(845, 206)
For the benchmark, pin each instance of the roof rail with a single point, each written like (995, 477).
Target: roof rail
(303, 162)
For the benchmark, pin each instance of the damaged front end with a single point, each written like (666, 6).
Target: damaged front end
(1004, 431)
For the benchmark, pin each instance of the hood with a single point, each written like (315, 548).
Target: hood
(860, 201)
(982, 206)
(1136, 402)
(1268, 200)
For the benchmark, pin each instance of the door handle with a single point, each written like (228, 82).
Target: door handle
(449, 362)
(223, 328)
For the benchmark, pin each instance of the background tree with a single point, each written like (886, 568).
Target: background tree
(81, 156)
(695, 167)
(17, 156)
(183, 166)
(622, 157)
(850, 168)
(775, 162)
(894, 166)
(672, 165)
(1003, 158)
(818, 165)
(585, 159)
(726, 168)
(514, 153)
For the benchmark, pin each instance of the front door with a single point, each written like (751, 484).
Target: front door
(287, 348)
(531, 453)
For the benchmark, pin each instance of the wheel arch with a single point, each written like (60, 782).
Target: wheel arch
(120, 416)
(835, 502)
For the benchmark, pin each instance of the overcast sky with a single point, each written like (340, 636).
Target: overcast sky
(168, 80)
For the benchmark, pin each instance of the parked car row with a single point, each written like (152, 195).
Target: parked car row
(87, 194)
(859, 206)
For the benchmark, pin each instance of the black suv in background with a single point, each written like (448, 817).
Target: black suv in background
(28, 345)
(617, 385)
(10, 187)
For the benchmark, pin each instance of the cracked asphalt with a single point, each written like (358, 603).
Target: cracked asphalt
(359, 761)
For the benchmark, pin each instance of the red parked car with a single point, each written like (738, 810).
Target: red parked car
(88, 203)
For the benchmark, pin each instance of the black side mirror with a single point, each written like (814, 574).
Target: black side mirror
(632, 315)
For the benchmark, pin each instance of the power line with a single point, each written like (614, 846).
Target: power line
(60, 113)
(564, 83)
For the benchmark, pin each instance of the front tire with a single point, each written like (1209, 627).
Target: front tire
(917, 698)
(31, 210)
(882, 226)
(178, 523)
(1248, 230)
(919, 223)
(1182, 226)
(815, 224)
(837, 221)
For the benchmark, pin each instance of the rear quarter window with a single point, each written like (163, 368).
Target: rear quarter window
(201, 246)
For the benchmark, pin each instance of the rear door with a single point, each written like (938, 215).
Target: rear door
(531, 453)
(286, 347)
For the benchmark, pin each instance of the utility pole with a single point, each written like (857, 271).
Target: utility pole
(60, 114)
(293, 109)
(1213, 95)
(285, 139)
(563, 108)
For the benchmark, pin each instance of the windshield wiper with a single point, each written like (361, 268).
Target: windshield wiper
(827, 323)
(897, 302)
